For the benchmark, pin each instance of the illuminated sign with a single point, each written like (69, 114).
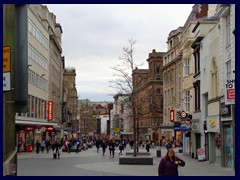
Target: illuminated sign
(6, 59)
(171, 115)
(50, 110)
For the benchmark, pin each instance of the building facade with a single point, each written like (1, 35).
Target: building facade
(148, 89)
(69, 83)
(34, 22)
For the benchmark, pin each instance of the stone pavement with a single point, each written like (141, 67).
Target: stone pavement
(91, 163)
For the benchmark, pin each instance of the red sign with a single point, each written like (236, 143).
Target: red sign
(50, 110)
(49, 128)
(231, 94)
(29, 128)
(43, 110)
(171, 115)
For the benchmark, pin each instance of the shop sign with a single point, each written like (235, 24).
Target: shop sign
(230, 91)
(213, 124)
(171, 115)
(6, 68)
(43, 110)
(184, 128)
(50, 110)
(225, 110)
(38, 127)
(21, 131)
(183, 114)
(29, 128)
(52, 133)
(201, 154)
(48, 128)
(177, 126)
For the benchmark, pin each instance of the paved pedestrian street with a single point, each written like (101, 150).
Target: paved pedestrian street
(91, 163)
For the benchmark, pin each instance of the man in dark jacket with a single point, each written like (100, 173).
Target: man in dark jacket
(56, 147)
(104, 146)
(98, 142)
(169, 145)
(168, 165)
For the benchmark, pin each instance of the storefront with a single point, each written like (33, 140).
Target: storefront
(214, 136)
(28, 132)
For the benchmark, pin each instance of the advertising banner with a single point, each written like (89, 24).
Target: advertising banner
(230, 92)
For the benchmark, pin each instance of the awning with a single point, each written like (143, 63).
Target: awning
(35, 123)
(126, 132)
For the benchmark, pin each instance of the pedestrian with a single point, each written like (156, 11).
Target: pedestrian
(120, 149)
(103, 145)
(43, 144)
(168, 165)
(47, 145)
(148, 146)
(131, 144)
(169, 145)
(37, 146)
(69, 145)
(112, 147)
(98, 145)
(55, 148)
(77, 145)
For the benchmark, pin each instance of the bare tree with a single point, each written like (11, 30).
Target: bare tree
(123, 83)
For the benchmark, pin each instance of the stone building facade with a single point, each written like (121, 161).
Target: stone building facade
(148, 89)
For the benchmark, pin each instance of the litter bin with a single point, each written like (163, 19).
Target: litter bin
(29, 148)
(159, 153)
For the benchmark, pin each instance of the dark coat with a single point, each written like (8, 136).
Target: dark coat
(168, 146)
(103, 145)
(169, 168)
(98, 143)
(111, 146)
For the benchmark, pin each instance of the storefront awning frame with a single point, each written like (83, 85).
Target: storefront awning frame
(23, 122)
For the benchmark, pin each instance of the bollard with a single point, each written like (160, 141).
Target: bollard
(159, 153)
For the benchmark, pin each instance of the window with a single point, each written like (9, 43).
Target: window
(227, 30)
(228, 69)
(197, 95)
(197, 60)
(214, 77)
(186, 100)
(186, 67)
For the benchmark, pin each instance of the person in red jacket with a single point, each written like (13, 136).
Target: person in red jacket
(168, 165)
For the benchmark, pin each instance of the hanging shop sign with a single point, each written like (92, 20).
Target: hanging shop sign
(213, 124)
(50, 110)
(230, 92)
(6, 68)
(171, 115)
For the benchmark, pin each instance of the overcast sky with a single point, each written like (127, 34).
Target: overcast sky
(94, 35)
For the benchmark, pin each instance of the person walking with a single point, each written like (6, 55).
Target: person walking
(37, 146)
(47, 145)
(69, 145)
(169, 145)
(43, 144)
(103, 145)
(55, 148)
(148, 146)
(112, 147)
(168, 165)
(98, 145)
(77, 145)
(120, 149)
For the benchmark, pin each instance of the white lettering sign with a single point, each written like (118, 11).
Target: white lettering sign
(230, 92)
(6, 81)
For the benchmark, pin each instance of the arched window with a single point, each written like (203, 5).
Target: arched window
(214, 79)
